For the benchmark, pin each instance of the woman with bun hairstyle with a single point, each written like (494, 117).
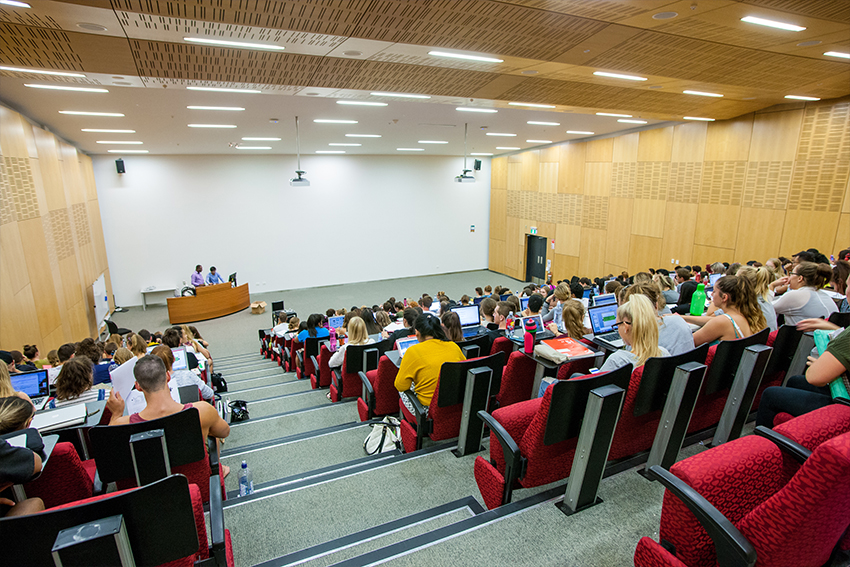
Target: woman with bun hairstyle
(741, 315)
(804, 298)
(636, 323)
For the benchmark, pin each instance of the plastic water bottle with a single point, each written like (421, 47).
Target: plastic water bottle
(246, 480)
(698, 301)
(510, 321)
(332, 339)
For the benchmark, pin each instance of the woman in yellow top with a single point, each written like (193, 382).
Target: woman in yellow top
(420, 367)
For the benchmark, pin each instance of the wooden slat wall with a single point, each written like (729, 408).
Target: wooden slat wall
(754, 187)
(51, 239)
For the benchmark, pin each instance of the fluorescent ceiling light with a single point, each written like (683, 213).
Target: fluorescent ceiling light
(330, 151)
(127, 151)
(362, 135)
(619, 76)
(506, 148)
(531, 105)
(401, 95)
(40, 72)
(350, 145)
(473, 109)
(543, 123)
(612, 114)
(238, 44)
(84, 113)
(838, 54)
(261, 139)
(500, 134)
(627, 121)
(539, 141)
(432, 142)
(580, 132)
(215, 108)
(466, 57)
(64, 88)
(798, 97)
(329, 121)
(108, 131)
(700, 93)
(223, 90)
(135, 143)
(698, 118)
(361, 103)
(480, 154)
(410, 149)
(253, 147)
(211, 125)
(15, 3)
(772, 24)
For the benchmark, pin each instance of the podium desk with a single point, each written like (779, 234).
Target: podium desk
(210, 302)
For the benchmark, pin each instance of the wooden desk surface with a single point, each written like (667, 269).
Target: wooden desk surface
(211, 302)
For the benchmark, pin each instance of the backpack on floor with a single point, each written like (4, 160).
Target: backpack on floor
(385, 436)
(219, 384)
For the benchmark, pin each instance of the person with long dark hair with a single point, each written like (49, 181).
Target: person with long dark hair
(741, 315)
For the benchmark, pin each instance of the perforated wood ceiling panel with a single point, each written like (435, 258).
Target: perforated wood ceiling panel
(38, 47)
(395, 77)
(28, 18)
(827, 9)
(768, 184)
(607, 10)
(710, 31)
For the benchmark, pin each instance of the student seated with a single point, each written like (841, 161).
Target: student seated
(805, 299)
(357, 335)
(741, 315)
(674, 334)
(761, 278)
(282, 326)
(136, 400)
(451, 326)
(17, 464)
(408, 319)
(572, 321)
(486, 307)
(637, 326)
(74, 384)
(500, 319)
(313, 328)
(535, 304)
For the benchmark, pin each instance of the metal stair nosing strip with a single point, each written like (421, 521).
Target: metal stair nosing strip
(245, 449)
(293, 412)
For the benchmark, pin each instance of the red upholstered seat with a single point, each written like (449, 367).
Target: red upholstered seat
(322, 379)
(386, 398)
(294, 347)
(517, 379)
(502, 344)
(198, 473)
(813, 428)
(64, 479)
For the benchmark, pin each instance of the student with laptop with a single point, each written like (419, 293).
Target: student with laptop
(572, 321)
(451, 325)
(357, 335)
(74, 384)
(637, 326)
(408, 319)
(17, 464)
(7, 389)
(674, 333)
(533, 305)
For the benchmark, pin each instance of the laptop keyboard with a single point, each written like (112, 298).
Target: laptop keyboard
(612, 337)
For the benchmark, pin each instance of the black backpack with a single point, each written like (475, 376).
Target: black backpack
(219, 383)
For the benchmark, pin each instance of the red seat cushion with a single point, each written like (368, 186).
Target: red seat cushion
(64, 479)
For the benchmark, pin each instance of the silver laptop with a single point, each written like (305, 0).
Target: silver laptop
(405, 343)
(602, 320)
(470, 320)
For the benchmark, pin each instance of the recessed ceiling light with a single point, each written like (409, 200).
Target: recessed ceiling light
(261, 139)
(473, 109)
(133, 143)
(432, 142)
(531, 104)
(529, 72)
(539, 141)
(362, 135)
(506, 148)
(352, 53)
(361, 103)
(234, 108)
(330, 151)
(84, 113)
(800, 97)
(580, 132)
(701, 93)
(401, 95)
(237, 44)
(107, 131)
(410, 149)
(41, 72)
(698, 118)
(211, 125)
(506, 134)
(810, 43)
(346, 145)
(466, 57)
(619, 76)
(91, 27)
(15, 3)
(627, 121)
(332, 121)
(664, 15)
(127, 151)
(480, 154)
(838, 54)
(64, 88)
(253, 147)
(612, 114)
(772, 24)
(223, 90)
(543, 123)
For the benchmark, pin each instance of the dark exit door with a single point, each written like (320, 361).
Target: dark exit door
(535, 261)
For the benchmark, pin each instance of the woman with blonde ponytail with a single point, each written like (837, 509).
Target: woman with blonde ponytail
(637, 325)
(741, 315)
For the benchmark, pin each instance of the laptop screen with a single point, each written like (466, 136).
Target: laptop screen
(537, 319)
(712, 279)
(588, 293)
(335, 322)
(606, 299)
(405, 343)
(32, 384)
(468, 315)
(524, 303)
(602, 318)
(181, 361)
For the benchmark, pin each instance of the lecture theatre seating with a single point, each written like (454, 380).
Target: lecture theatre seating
(67, 479)
(379, 397)
(345, 382)
(322, 377)
(517, 380)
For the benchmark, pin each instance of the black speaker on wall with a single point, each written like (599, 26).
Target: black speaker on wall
(119, 165)
(477, 165)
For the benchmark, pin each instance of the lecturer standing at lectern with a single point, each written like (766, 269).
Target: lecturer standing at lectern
(197, 278)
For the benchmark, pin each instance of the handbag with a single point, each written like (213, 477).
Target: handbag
(383, 437)
(238, 411)
(218, 382)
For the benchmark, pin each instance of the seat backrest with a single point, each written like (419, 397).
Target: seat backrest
(277, 305)
(113, 328)
(569, 401)
(479, 343)
(311, 346)
(452, 386)
(325, 355)
(155, 537)
(110, 444)
(658, 376)
(727, 356)
(502, 344)
(517, 379)
(355, 354)
(784, 346)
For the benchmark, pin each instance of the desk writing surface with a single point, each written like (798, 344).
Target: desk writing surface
(210, 302)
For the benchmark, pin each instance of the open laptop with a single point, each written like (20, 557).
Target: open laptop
(33, 384)
(542, 332)
(470, 320)
(602, 319)
(523, 301)
(181, 360)
(335, 322)
(588, 293)
(605, 299)
(405, 343)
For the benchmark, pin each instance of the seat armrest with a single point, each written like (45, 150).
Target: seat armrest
(366, 383)
(315, 364)
(786, 445)
(842, 401)
(217, 550)
(515, 465)
(733, 549)
(419, 409)
(336, 377)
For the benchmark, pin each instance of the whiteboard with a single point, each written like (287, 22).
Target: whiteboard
(101, 301)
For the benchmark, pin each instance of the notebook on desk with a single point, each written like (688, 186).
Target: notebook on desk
(470, 320)
(602, 319)
(59, 418)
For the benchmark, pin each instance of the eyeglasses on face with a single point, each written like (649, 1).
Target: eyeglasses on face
(618, 323)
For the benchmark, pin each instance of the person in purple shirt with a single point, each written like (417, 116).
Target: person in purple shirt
(197, 277)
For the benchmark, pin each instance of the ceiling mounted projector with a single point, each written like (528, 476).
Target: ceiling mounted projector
(298, 181)
(464, 177)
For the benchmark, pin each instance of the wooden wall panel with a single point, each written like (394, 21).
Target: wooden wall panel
(597, 178)
(498, 213)
(717, 225)
(619, 231)
(40, 277)
(647, 217)
(656, 144)
(808, 229)
(496, 261)
(708, 254)
(13, 142)
(548, 177)
(759, 234)
(530, 170)
(842, 235)
(571, 168)
(551, 154)
(51, 170)
(775, 135)
(592, 257)
(689, 142)
(600, 150)
(499, 173)
(514, 176)
(626, 147)
(14, 259)
(644, 251)
(729, 140)
(680, 225)
(512, 246)
(568, 239)
(564, 267)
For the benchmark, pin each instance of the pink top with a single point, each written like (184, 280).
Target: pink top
(135, 418)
